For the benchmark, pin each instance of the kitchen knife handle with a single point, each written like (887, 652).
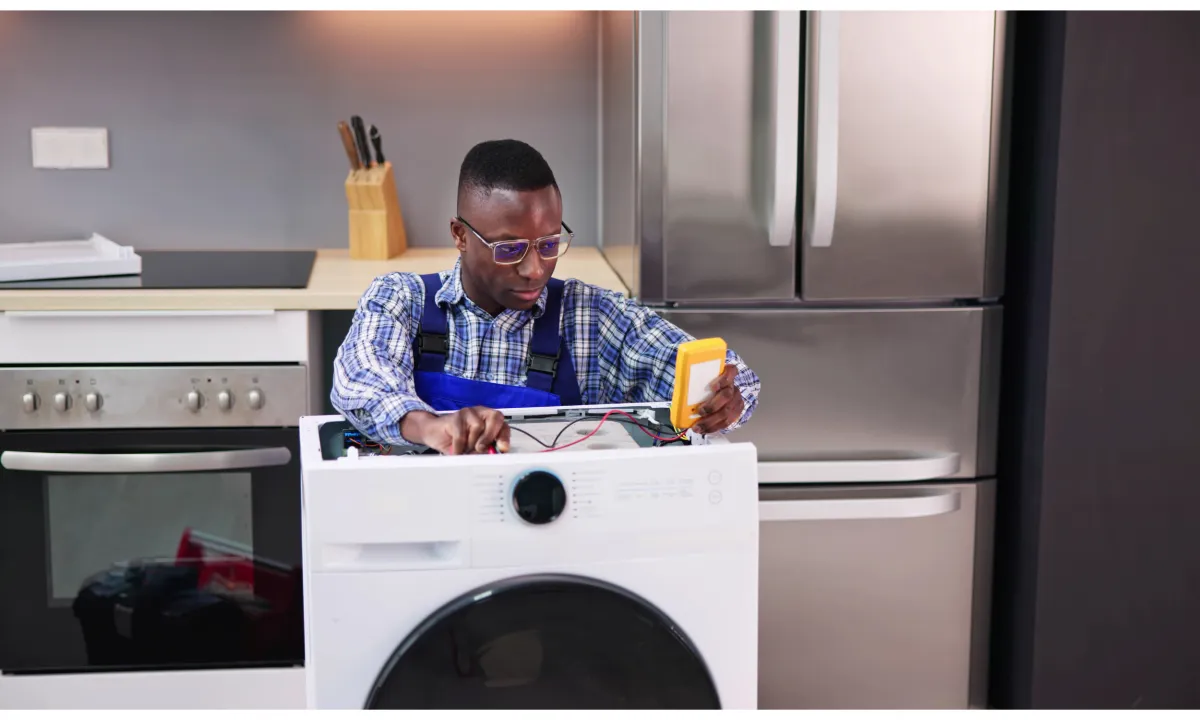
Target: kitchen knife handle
(360, 134)
(377, 141)
(348, 144)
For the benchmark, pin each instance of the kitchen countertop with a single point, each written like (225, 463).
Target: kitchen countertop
(337, 282)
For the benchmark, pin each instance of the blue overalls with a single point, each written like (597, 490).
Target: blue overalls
(550, 379)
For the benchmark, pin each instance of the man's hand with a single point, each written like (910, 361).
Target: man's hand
(470, 430)
(724, 407)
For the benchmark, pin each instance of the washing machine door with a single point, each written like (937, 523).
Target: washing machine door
(546, 642)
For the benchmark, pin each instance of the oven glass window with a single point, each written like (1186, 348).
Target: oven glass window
(163, 569)
(100, 523)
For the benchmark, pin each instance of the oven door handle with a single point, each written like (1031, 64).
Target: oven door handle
(53, 462)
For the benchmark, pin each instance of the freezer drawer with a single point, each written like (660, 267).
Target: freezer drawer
(874, 597)
(866, 385)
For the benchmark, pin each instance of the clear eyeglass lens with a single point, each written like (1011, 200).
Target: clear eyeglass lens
(551, 247)
(548, 248)
(510, 252)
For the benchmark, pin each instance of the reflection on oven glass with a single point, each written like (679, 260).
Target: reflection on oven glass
(161, 570)
(96, 521)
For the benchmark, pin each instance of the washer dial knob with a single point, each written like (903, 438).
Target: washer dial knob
(539, 497)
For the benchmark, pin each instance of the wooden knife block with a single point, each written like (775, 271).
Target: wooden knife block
(376, 225)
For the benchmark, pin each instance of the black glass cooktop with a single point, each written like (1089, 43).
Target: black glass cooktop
(197, 270)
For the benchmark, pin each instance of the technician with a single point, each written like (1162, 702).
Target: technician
(487, 333)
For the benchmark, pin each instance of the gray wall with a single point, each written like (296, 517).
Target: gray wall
(222, 126)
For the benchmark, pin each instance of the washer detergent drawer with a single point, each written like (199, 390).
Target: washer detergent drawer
(874, 596)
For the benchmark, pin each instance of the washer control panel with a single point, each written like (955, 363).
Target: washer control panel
(599, 492)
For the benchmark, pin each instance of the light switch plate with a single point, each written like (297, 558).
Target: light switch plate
(57, 148)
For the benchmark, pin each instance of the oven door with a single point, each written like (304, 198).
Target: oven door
(150, 550)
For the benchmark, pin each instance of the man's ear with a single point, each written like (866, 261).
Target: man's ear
(459, 233)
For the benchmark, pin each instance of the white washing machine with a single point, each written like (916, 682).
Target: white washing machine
(615, 571)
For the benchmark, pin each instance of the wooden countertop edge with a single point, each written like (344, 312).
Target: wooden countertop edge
(336, 283)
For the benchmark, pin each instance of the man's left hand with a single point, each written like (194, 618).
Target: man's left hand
(724, 407)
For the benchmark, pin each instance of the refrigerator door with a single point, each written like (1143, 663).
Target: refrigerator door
(903, 156)
(874, 597)
(781, 155)
(717, 152)
(618, 152)
(902, 394)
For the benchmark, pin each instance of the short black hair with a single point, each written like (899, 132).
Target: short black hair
(504, 165)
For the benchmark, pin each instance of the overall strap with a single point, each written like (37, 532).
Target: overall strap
(433, 335)
(545, 346)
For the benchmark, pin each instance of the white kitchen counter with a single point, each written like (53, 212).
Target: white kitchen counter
(337, 282)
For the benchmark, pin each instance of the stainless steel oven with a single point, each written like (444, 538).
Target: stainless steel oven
(150, 518)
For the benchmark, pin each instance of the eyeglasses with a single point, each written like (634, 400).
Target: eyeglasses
(511, 252)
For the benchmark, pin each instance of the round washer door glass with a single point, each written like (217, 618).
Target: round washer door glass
(546, 642)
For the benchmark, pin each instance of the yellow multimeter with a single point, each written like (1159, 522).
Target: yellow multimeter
(697, 364)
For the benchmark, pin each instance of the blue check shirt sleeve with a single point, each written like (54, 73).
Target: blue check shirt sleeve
(373, 372)
(635, 351)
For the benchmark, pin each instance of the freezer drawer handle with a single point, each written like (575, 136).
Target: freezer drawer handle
(823, 190)
(905, 469)
(50, 462)
(916, 504)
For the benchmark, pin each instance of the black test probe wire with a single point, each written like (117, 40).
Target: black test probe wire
(553, 445)
(626, 419)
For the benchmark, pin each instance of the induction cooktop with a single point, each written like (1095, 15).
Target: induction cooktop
(197, 270)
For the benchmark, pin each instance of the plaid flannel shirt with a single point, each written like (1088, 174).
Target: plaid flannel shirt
(623, 352)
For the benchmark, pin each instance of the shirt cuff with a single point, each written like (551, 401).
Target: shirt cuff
(386, 414)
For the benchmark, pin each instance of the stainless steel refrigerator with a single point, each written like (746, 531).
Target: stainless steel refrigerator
(825, 191)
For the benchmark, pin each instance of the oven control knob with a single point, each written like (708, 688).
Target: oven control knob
(538, 497)
(255, 398)
(224, 400)
(30, 401)
(62, 402)
(93, 401)
(194, 400)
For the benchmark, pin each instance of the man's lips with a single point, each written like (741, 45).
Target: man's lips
(528, 294)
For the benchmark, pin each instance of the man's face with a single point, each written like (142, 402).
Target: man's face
(500, 216)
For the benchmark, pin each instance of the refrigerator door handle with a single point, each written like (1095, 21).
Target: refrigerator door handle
(822, 190)
(914, 504)
(786, 121)
(904, 469)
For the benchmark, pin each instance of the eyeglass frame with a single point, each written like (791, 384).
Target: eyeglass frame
(570, 234)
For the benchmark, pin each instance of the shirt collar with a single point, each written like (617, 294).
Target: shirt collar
(451, 292)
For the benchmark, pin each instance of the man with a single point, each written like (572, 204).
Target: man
(497, 331)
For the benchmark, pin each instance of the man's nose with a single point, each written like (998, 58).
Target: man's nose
(532, 267)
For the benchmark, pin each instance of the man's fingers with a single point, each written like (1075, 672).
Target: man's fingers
(476, 427)
(504, 438)
(492, 425)
(727, 415)
(457, 432)
(720, 399)
(714, 423)
(725, 379)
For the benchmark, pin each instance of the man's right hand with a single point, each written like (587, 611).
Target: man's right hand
(466, 431)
